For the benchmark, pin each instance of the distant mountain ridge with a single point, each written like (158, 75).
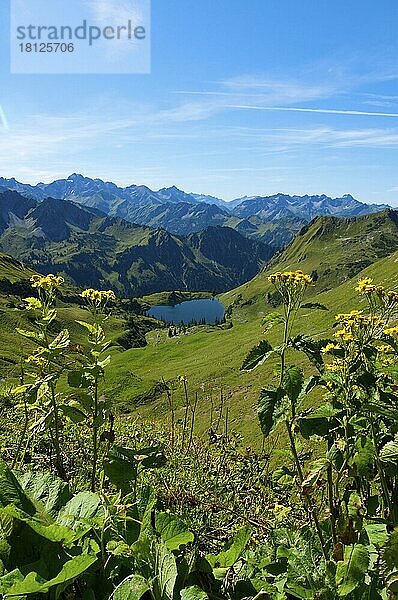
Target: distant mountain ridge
(271, 219)
(92, 248)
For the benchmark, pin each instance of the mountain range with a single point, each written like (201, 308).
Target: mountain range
(92, 248)
(274, 220)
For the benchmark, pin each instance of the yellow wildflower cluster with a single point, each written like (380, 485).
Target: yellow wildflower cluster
(355, 325)
(98, 297)
(391, 331)
(384, 349)
(48, 283)
(291, 278)
(368, 288)
(329, 347)
(356, 317)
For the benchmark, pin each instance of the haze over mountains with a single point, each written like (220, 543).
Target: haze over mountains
(273, 220)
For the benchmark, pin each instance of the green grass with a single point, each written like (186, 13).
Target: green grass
(211, 360)
(211, 357)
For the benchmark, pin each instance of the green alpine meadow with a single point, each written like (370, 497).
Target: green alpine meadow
(198, 300)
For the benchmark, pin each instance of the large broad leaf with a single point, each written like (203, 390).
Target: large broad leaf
(52, 532)
(377, 534)
(293, 382)
(166, 573)
(363, 458)
(316, 422)
(82, 510)
(11, 491)
(312, 348)
(43, 502)
(132, 588)
(34, 584)
(351, 573)
(122, 466)
(389, 453)
(49, 490)
(390, 557)
(193, 593)
(173, 531)
(317, 471)
(229, 557)
(270, 409)
(121, 473)
(257, 356)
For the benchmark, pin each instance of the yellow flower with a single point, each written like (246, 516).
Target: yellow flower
(384, 349)
(48, 283)
(334, 368)
(291, 277)
(392, 297)
(391, 331)
(97, 297)
(330, 347)
(365, 286)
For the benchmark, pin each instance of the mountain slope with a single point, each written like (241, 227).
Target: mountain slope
(271, 219)
(93, 249)
(218, 368)
(282, 206)
(336, 249)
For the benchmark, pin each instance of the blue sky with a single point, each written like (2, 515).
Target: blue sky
(245, 97)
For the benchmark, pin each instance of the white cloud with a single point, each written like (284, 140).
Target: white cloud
(327, 111)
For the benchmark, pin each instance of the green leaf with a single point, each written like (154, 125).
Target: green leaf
(390, 554)
(351, 573)
(293, 382)
(272, 319)
(317, 470)
(132, 588)
(283, 476)
(121, 473)
(34, 584)
(377, 534)
(52, 532)
(79, 379)
(73, 413)
(316, 422)
(91, 328)
(390, 557)
(61, 341)
(166, 571)
(81, 510)
(173, 531)
(32, 335)
(312, 348)
(229, 557)
(363, 458)
(257, 356)
(389, 453)
(193, 593)
(49, 490)
(270, 409)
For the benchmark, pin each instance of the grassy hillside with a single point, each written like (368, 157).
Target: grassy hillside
(14, 286)
(211, 359)
(339, 250)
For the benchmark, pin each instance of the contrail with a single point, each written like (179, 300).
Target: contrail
(3, 119)
(328, 111)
